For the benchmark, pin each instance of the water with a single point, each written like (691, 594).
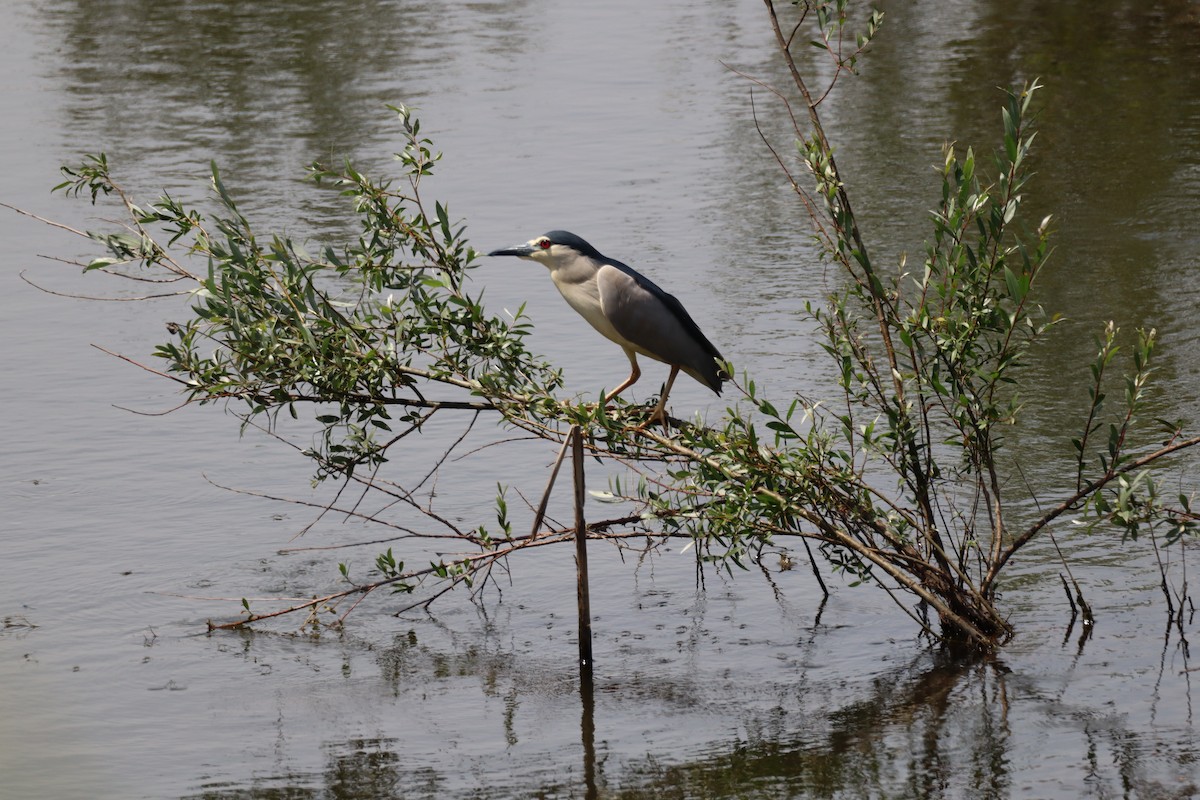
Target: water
(113, 543)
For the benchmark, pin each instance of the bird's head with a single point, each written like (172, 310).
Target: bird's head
(551, 249)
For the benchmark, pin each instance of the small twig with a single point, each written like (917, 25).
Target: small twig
(72, 296)
(1070, 599)
(142, 366)
(813, 563)
(541, 511)
(45, 221)
(140, 413)
(453, 445)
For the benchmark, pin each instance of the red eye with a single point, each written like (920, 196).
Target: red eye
(544, 244)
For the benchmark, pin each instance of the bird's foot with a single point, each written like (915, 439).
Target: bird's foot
(658, 415)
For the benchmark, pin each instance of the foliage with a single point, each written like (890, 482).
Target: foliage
(355, 329)
(898, 484)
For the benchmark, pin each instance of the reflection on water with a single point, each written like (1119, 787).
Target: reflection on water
(934, 727)
(730, 692)
(265, 88)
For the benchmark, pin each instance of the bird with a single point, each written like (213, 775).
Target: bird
(628, 308)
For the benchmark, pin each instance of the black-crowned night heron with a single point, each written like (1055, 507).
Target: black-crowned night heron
(628, 308)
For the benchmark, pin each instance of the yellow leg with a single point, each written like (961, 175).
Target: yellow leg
(634, 373)
(660, 411)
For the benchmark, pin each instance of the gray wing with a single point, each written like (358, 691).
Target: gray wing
(656, 324)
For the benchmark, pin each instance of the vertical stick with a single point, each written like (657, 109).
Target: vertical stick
(581, 565)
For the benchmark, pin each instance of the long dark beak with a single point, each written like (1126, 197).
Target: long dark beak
(518, 250)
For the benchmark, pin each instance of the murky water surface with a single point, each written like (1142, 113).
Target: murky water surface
(618, 121)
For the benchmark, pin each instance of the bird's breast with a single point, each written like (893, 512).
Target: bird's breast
(584, 296)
